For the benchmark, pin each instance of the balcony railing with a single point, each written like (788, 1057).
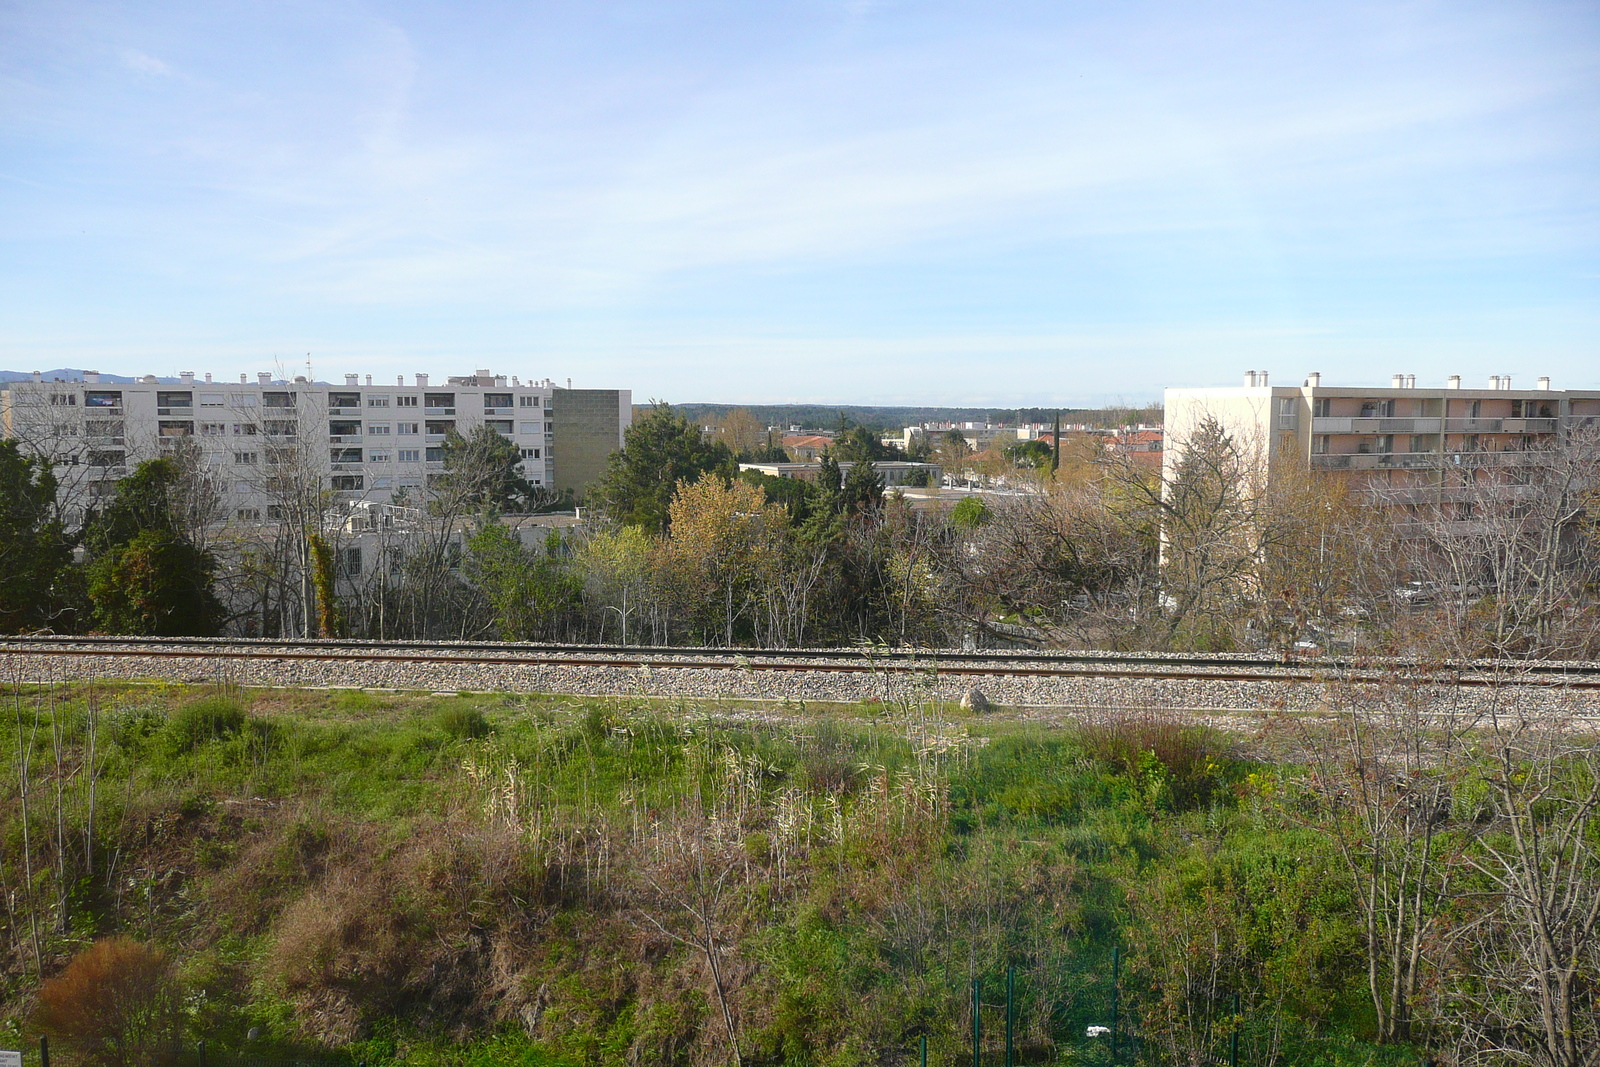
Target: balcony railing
(1371, 461)
(1341, 424)
(1500, 425)
(344, 439)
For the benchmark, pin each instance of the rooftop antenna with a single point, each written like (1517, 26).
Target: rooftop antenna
(309, 376)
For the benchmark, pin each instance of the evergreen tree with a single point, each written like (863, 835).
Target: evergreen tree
(34, 552)
(659, 451)
(147, 576)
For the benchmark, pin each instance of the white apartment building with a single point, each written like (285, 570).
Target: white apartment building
(369, 442)
(1406, 437)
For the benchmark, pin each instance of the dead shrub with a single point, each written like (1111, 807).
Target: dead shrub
(436, 928)
(1185, 763)
(117, 1003)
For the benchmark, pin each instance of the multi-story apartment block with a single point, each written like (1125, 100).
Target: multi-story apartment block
(367, 443)
(1404, 438)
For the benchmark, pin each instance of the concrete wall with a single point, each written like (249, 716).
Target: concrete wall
(589, 424)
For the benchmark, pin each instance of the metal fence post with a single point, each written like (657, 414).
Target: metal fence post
(1011, 1014)
(1238, 1024)
(977, 1022)
(1116, 966)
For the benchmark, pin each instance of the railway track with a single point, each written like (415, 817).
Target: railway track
(1020, 665)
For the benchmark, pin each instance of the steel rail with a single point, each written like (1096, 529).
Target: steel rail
(845, 662)
(856, 655)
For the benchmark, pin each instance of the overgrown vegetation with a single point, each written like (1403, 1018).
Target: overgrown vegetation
(531, 880)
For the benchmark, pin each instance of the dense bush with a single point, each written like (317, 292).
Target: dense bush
(594, 883)
(116, 1004)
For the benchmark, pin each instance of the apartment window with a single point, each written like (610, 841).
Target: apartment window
(382, 483)
(107, 459)
(174, 400)
(410, 481)
(1475, 409)
(530, 427)
(499, 425)
(405, 401)
(1321, 407)
(1385, 443)
(102, 400)
(344, 455)
(241, 400)
(407, 429)
(277, 400)
(347, 483)
(103, 428)
(344, 429)
(248, 514)
(439, 400)
(170, 428)
(1419, 443)
(344, 400)
(347, 562)
(379, 457)
(211, 400)
(64, 400)
(530, 453)
(1319, 445)
(435, 455)
(247, 459)
(377, 401)
(440, 426)
(244, 429)
(278, 428)
(381, 429)
(529, 401)
(280, 455)
(496, 400)
(410, 455)
(213, 429)
(274, 511)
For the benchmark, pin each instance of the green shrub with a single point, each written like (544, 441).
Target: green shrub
(462, 723)
(209, 719)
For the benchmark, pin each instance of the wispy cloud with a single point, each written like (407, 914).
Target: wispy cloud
(140, 63)
(646, 179)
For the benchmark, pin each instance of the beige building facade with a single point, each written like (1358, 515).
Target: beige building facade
(1406, 437)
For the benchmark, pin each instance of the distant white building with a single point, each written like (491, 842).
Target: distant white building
(369, 443)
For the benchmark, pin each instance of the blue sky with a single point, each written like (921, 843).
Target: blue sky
(875, 202)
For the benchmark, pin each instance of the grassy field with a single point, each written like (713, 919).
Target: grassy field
(491, 880)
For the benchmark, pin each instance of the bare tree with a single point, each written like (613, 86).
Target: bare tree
(1533, 959)
(1383, 777)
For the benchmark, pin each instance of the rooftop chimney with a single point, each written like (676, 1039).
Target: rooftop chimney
(1249, 379)
(422, 381)
(186, 377)
(1544, 382)
(1505, 381)
(1411, 381)
(1397, 381)
(483, 374)
(1453, 382)
(264, 377)
(500, 381)
(208, 377)
(352, 379)
(38, 375)
(1314, 379)
(242, 378)
(91, 377)
(369, 379)
(399, 379)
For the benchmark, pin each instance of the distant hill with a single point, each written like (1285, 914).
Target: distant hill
(826, 416)
(68, 374)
